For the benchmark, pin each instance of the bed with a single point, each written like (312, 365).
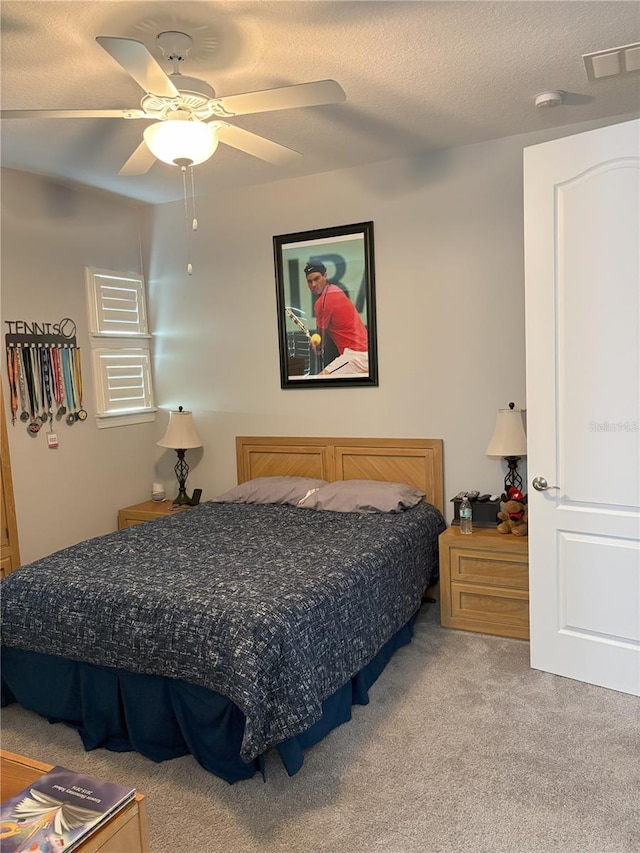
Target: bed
(243, 624)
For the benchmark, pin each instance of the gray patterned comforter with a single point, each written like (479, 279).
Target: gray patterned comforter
(273, 606)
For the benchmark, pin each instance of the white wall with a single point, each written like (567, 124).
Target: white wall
(450, 303)
(49, 234)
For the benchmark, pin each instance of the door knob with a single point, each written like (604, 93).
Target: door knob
(541, 485)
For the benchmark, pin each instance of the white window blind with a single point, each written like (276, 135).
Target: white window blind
(120, 343)
(117, 303)
(125, 380)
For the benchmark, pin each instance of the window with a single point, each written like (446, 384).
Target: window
(116, 303)
(120, 347)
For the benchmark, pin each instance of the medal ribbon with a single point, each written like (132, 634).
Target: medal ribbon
(77, 367)
(13, 380)
(31, 390)
(56, 372)
(45, 367)
(37, 378)
(21, 380)
(68, 379)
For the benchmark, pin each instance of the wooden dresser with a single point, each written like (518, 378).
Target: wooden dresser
(10, 552)
(484, 582)
(125, 832)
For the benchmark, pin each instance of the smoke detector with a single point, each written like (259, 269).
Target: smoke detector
(549, 99)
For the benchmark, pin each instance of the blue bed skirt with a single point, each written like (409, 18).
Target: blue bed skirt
(164, 718)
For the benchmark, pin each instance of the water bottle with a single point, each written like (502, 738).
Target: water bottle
(466, 523)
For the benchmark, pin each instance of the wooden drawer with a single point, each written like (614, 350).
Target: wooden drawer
(490, 610)
(490, 568)
(130, 522)
(6, 566)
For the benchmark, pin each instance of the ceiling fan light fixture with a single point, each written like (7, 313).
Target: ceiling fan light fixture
(180, 142)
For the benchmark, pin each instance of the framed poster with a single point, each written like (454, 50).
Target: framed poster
(325, 297)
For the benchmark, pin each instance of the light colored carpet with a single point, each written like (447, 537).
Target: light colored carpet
(462, 748)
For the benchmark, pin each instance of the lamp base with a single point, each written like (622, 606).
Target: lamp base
(182, 499)
(182, 472)
(513, 479)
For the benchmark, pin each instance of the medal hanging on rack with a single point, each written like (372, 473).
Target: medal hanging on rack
(12, 372)
(81, 414)
(41, 413)
(67, 374)
(49, 385)
(22, 386)
(45, 369)
(46, 403)
(58, 385)
(37, 384)
(49, 373)
(37, 387)
(32, 391)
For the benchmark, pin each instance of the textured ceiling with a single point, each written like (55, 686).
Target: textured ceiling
(418, 76)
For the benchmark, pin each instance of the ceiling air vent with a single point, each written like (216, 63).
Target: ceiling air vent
(612, 62)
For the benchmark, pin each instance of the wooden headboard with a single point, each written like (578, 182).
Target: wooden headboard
(416, 461)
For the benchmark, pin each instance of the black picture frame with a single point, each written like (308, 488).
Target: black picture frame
(346, 252)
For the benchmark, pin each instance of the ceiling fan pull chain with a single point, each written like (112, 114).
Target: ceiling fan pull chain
(194, 224)
(183, 169)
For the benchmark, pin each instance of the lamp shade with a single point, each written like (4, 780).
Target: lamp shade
(181, 142)
(508, 437)
(181, 433)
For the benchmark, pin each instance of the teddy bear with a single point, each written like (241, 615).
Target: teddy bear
(514, 515)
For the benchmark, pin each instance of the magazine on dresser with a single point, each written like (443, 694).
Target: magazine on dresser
(58, 811)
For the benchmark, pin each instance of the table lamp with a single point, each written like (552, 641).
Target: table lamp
(510, 442)
(181, 436)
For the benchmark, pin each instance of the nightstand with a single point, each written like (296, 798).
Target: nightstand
(146, 511)
(484, 582)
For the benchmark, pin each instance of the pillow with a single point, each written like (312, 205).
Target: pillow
(271, 490)
(363, 496)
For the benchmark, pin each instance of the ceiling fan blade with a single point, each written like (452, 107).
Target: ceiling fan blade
(136, 60)
(73, 114)
(139, 163)
(284, 98)
(253, 144)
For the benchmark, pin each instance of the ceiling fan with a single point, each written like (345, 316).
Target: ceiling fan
(187, 108)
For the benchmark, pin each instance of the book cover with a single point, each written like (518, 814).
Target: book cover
(58, 811)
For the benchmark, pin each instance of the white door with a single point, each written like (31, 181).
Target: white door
(582, 273)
